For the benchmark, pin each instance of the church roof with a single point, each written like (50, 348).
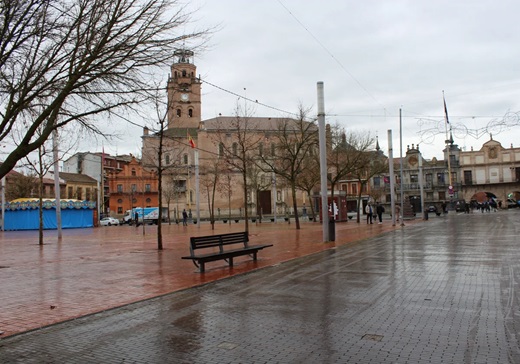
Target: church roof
(254, 123)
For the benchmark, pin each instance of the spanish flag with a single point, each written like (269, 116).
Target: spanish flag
(190, 141)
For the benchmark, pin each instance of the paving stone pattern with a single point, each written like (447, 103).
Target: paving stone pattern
(441, 291)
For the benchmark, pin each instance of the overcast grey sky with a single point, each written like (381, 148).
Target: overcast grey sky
(374, 57)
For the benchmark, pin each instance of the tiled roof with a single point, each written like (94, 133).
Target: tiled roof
(76, 177)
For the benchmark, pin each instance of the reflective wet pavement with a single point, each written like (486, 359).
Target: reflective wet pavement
(439, 291)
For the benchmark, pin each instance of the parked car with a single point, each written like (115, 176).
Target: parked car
(511, 204)
(108, 221)
(433, 208)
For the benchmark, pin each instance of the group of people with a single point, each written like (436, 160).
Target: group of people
(373, 213)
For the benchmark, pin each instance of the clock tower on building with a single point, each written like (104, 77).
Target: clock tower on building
(184, 109)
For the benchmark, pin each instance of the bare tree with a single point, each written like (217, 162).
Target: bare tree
(371, 163)
(226, 189)
(294, 141)
(210, 179)
(309, 178)
(171, 190)
(345, 154)
(66, 62)
(240, 151)
(43, 164)
(21, 185)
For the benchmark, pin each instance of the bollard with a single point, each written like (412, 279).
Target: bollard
(332, 229)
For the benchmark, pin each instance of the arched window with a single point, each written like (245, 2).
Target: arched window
(179, 113)
(148, 200)
(221, 150)
(261, 149)
(167, 159)
(133, 172)
(190, 113)
(183, 73)
(273, 149)
(185, 159)
(120, 200)
(235, 149)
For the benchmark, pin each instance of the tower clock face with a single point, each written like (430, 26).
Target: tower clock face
(185, 97)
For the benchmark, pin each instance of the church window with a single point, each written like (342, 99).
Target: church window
(190, 113)
(179, 113)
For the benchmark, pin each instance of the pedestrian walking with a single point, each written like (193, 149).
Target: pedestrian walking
(379, 211)
(369, 213)
(184, 218)
(136, 219)
(397, 212)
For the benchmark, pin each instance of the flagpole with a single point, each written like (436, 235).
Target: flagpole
(197, 186)
(401, 211)
(448, 147)
(392, 175)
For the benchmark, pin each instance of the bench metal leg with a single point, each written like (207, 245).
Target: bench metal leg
(195, 263)
(201, 267)
(230, 260)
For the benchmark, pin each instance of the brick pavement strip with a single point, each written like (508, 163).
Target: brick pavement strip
(91, 270)
(441, 291)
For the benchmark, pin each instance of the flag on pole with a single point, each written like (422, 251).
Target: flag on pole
(190, 141)
(445, 110)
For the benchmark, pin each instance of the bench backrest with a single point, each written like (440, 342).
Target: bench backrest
(214, 241)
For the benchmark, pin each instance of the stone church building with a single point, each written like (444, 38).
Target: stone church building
(187, 135)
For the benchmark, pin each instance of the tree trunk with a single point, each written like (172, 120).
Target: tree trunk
(295, 206)
(312, 206)
(246, 215)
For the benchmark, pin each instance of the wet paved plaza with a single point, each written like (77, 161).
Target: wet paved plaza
(438, 291)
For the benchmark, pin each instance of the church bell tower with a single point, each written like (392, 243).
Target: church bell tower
(184, 109)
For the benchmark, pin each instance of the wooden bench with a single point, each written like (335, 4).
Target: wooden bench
(224, 246)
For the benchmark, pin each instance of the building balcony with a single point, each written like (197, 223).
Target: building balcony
(427, 186)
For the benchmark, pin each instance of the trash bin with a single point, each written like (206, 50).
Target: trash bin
(425, 214)
(332, 229)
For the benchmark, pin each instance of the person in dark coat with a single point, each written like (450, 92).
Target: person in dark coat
(379, 211)
(184, 218)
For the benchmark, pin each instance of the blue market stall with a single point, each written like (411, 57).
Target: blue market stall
(23, 214)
